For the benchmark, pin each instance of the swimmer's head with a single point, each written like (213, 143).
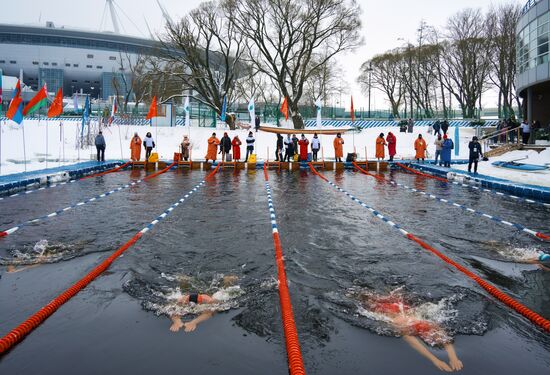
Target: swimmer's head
(386, 305)
(229, 280)
(184, 282)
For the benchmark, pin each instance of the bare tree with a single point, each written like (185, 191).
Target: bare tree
(202, 52)
(466, 64)
(385, 76)
(324, 82)
(501, 31)
(285, 37)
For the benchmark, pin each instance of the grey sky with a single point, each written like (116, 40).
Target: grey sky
(384, 22)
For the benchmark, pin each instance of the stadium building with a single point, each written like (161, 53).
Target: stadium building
(91, 62)
(533, 65)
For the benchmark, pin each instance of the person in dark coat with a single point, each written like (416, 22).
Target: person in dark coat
(289, 149)
(446, 148)
(445, 126)
(225, 146)
(295, 140)
(475, 153)
(100, 146)
(279, 148)
(437, 127)
(257, 122)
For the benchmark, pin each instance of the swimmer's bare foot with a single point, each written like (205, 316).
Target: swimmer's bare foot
(190, 326)
(10, 269)
(456, 364)
(176, 326)
(441, 365)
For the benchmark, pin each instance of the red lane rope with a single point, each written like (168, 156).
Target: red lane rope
(159, 172)
(543, 236)
(368, 173)
(412, 170)
(23, 329)
(317, 173)
(293, 349)
(266, 176)
(107, 172)
(211, 174)
(494, 291)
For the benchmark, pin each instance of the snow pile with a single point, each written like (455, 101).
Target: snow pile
(62, 143)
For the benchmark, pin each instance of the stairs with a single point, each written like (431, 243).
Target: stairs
(501, 150)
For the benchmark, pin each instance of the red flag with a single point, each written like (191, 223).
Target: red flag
(352, 111)
(284, 108)
(152, 109)
(56, 109)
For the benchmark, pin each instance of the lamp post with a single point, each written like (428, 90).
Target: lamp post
(370, 74)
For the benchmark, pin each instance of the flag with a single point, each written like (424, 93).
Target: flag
(352, 111)
(113, 111)
(40, 100)
(252, 112)
(15, 110)
(224, 108)
(152, 109)
(284, 108)
(85, 114)
(1, 86)
(75, 102)
(187, 110)
(56, 109)
(318, 106)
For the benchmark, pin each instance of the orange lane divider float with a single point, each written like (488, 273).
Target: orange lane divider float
(108, 171)
(18, 333)
(294, 352)
(494, 291)
(13, 229)
(412, 170)
(538, 235)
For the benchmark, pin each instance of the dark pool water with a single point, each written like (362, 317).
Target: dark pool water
(334, 250)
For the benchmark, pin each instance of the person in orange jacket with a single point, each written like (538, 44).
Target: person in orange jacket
(420, 147)
(380, 143)
(213, 144)
(236, 142)
(338, 147)
(303, 143)
(135, 147)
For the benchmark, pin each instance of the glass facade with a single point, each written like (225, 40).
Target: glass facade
(532, 44)
(111, 82)
(51, 77)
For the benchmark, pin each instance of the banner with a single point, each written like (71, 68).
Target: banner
(252, 112)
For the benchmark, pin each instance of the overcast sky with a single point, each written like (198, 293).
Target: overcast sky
(384, 22)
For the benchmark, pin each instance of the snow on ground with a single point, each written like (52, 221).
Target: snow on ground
(527, 156)
(168, 139)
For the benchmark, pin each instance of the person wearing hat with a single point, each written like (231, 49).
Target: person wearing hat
(213, 143)
(446, 148)
(475, 153)
(225, 146)
(391, 140)
(135, 147)
(303, 143)
(338, 144)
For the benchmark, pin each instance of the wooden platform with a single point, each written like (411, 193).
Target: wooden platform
(149, 166)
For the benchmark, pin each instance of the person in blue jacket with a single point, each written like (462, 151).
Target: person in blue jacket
(447, 146)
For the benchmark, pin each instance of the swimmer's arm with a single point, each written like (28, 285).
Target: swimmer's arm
(417, 345)
(192, 325)
(13, 269)
(543, 267)
(456, 364)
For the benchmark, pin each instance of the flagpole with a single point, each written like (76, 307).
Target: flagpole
(120, 141)
(46, 143)
(24, 148)
(63, 140)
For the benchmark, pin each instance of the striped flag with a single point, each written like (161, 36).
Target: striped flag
(15, 110)
(40, 100)
(224, 108)
(113, 111)
(187, 110)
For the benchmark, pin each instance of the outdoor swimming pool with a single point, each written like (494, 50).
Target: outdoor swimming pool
(334, 248)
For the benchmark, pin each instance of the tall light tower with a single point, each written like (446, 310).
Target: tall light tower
(114, 19)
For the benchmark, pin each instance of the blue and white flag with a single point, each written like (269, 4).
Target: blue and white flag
(252, 112)
(75, 102)
(224, 108)
(318, 106)
(187, 110)
(85, 114)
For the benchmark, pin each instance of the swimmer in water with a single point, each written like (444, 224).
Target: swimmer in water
(543, 261)
(197, 299)
(412, 328)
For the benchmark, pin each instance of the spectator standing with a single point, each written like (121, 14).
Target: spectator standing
(279, 148)
(289, 149)
(380, 143)
(445, 126)
(225, 146)
(475, 153)
(236, 143)
(446, 148)
(338, 144)
(185, 146)
(135, 147)
(392, 145)
(437, 127)
(410, 125)
(525, 132)
(315, 146)
(420, 147)
(148, 144)
(249, 145)
(438, 147)
(100, 146)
